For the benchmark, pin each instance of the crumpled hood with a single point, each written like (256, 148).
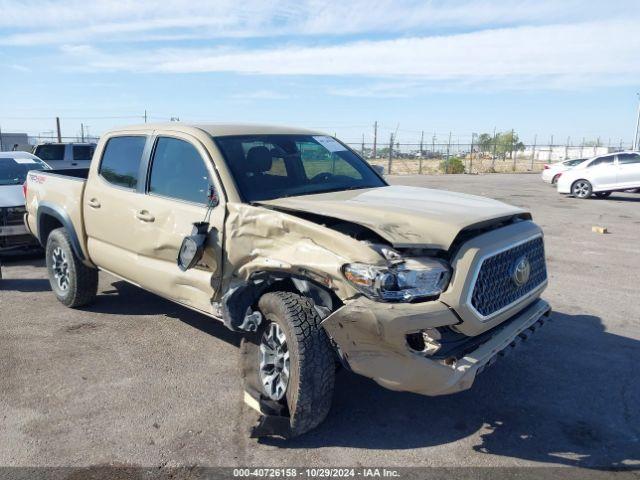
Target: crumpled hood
(404, 216)
(11, 196)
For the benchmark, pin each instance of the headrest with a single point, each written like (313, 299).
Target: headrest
(258, 160)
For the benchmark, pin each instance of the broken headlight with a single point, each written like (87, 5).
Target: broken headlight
(403, 282)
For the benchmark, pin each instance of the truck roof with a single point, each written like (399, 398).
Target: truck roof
(224, 129)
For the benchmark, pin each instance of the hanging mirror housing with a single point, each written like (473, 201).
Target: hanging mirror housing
(192, 247)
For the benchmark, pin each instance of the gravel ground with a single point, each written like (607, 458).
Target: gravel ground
(136, 380)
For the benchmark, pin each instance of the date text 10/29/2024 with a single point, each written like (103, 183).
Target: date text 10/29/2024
(316, 472)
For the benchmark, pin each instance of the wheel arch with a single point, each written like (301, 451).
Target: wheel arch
(50, 217)
(238, 299)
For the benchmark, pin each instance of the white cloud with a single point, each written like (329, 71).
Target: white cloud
(100, 21)
(544, 56)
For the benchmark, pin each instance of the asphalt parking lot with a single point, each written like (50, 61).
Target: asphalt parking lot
(136, 380)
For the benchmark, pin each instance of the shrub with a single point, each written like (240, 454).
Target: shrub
(455, 165)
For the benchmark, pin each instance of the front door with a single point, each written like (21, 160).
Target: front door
(628, 170)
(176, 196)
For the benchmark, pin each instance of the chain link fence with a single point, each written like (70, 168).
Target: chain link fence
(411, 159)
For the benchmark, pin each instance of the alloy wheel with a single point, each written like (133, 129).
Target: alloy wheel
(274, 362)
(60, 267)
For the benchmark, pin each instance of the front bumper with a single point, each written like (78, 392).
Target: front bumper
(370, 336)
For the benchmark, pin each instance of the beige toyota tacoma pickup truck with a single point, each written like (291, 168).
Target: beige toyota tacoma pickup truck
(289, 237)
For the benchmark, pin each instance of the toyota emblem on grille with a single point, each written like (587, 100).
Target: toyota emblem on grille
(521, 271)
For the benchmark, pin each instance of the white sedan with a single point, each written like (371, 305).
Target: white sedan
(602, 175)
(553, 171)
(13, 173)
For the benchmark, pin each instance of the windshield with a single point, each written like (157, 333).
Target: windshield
(13, 171)
(274, 166)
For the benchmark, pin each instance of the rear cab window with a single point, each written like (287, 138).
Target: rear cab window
(121, 160)
(50, 153)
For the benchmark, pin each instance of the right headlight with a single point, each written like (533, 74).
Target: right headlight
(402, 282)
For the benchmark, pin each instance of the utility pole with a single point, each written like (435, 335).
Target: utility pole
(582, 148)
(374, 153)
(446, 165)
(433, 144)
(145, 115)
(566, 148)
(533, 150)
(390, 154)
(362, 147)
(495, 145)
(473, 138)
(551, 148)
(82, 132)
(636, 140)
(421, 143)
(58, 129)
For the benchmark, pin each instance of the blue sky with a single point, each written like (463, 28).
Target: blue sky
(545, 67)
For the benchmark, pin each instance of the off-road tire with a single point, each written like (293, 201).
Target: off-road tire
(602, 194)
(581, 189)
(312, 366)
(82, 280)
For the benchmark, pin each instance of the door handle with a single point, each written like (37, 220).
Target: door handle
(93, 203)
(145, 216)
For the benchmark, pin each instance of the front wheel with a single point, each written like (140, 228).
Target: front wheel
(296, 366)
(582, 189)
(73, 283)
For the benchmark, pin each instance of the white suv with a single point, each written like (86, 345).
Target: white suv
(602, 175)
(65, 155)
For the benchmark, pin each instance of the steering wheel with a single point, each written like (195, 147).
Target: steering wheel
(322, 177)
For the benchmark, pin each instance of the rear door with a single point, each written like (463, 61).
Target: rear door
(111, 199)
(628, 170)
(603, 172)
(179, 176)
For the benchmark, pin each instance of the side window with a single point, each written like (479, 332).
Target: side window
(602, 161)
(83, 152)
(178, 171)
(624, 158)
(121, 160)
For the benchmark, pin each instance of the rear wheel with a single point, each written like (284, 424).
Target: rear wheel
(602, 194)
(581, 189)
(296, 366)
(73, 283)
(555, 178)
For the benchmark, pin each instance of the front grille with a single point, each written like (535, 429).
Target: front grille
(495, 288)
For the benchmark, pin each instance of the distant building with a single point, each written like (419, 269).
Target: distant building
(14, 141)
(555, 153)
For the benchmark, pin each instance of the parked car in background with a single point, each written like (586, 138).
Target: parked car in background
(553, 171)
(65, 155)
(13, 173)
(602, 175)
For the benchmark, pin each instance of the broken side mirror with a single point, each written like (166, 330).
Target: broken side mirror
(192, 247)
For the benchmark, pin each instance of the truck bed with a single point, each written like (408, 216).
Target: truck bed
(59, 194)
